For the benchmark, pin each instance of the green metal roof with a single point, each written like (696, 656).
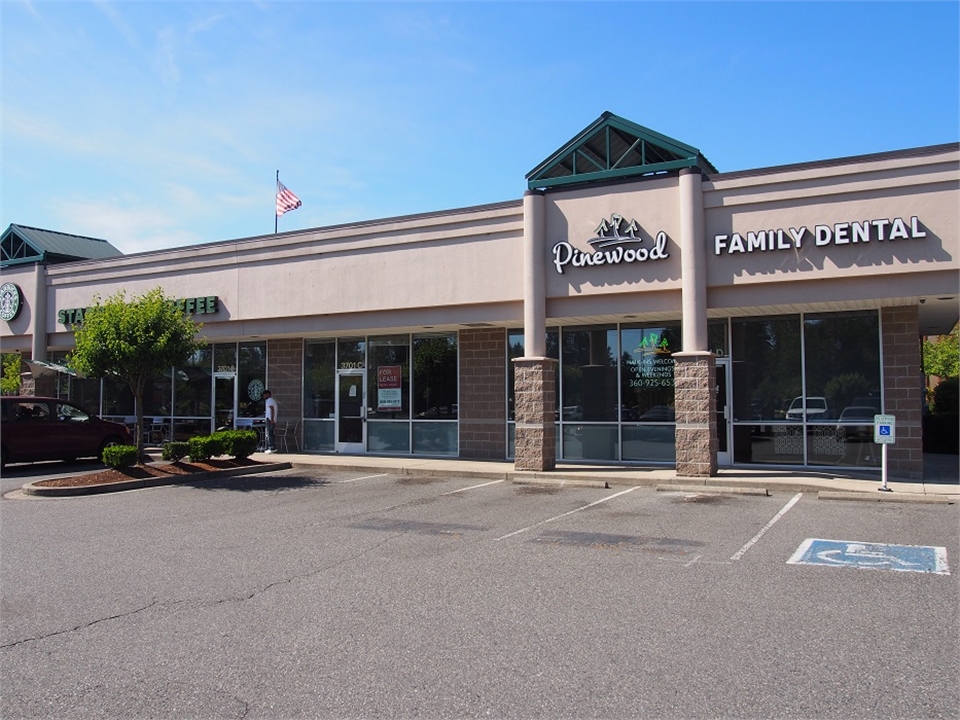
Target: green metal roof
(21, 244)
(613, 148)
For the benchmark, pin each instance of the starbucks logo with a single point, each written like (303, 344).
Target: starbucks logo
(11, 301)
(255, 390)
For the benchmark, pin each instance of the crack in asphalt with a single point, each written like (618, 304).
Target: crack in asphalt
(189, 604)
(82, 626)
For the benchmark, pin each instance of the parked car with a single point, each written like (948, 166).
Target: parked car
(38, 428)
(858, 414)
(817, 409)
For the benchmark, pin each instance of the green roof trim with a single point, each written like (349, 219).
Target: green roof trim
(21, 244)
(613, 148)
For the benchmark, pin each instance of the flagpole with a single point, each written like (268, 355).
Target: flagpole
(277, 185)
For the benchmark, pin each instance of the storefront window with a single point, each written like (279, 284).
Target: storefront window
(813, 407)
(435, 377)
(717, 338)
(351, 353)
(646, 387)
(842, 371)
(117, 398)
(388, 378)
(158, 395)
(251, 378)
(192, 385)
(589, 374)
(842, 364)
(319, 375)
(766, 367)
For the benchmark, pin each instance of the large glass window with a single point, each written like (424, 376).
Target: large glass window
(192, 386)
(589, 374)
(842, 364)
(646, 387)
(319, 378)
(388, 378)
(842, 373)
(435, 377)
(251, 378)
(811, 402)
(766, 367)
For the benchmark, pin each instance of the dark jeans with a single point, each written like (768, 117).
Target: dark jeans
(271, 429)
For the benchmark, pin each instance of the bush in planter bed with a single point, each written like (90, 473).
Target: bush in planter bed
(205, 447)
(238, 443)
(120, 456)
(175, 451)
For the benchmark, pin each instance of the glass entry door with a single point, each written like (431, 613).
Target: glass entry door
(224, 400)
(723, 413)
(351, 411)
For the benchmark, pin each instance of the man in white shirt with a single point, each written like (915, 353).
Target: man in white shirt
(270, 411)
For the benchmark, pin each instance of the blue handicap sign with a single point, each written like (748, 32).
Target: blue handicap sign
(871, 556)
(884, 429)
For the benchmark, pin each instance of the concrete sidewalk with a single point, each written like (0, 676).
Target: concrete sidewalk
(940, 481)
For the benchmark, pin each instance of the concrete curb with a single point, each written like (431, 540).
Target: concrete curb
(714, 489)
(885, 497)
(36, 490)
(558, 482)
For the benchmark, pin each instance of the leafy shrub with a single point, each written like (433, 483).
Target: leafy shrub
(205, 447)
(238, 443)
(946, 396)
(175, 451)
(120, 456)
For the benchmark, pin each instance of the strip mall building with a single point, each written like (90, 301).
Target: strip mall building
(634, 307)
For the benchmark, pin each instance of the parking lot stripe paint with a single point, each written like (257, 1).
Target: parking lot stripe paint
(793, 501)
(472, 487)
(365, 477)
(571, 512)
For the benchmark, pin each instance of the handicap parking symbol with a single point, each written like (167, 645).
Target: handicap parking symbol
(871, 556)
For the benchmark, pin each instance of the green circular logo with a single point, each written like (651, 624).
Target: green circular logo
(11, 301)
(255, 390)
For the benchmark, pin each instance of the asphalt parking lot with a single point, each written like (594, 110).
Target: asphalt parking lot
(334, 593)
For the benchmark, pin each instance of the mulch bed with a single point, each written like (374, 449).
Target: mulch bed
(141, 472)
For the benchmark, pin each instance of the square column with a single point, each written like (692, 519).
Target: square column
(695, 385)
(535, 411)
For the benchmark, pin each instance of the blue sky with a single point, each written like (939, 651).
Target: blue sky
(155, 125)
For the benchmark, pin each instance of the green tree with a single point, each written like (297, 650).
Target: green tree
(133, 340)
(10, 380)
(942, 357)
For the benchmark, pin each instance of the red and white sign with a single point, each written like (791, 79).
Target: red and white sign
(389, 384)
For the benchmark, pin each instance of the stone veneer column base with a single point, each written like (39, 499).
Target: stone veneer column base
(695, 386)
(535, 405)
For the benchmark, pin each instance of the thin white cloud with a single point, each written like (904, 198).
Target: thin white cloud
(119, 23)
(129, 227)
(165, 57)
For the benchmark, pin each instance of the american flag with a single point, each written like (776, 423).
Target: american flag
(286, 200)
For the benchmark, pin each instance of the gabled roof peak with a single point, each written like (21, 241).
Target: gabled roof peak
(21, 244)
(611, 148)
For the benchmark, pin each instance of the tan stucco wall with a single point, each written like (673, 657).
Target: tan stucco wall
(432, 270)
(922, 186)
(453, 269)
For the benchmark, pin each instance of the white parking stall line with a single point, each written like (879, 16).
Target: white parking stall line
(365, 477)
(472, 487)
(793, 501)
(563, 515)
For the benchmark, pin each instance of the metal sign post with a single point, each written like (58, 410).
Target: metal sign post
(884, 433)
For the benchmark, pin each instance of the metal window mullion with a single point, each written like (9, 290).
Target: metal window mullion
(803, 384)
